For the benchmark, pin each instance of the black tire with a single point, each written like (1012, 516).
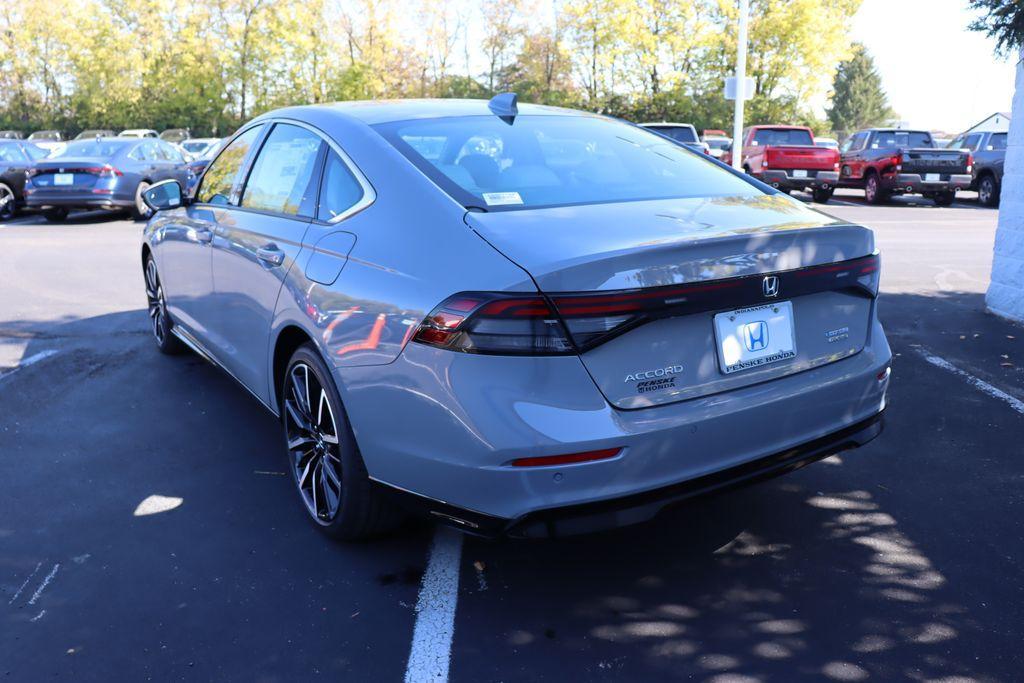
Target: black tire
(873, 192)
(821, 195)
(56, 215)
(327, 469)
(139, 210)
(988, 191)
(159, 319)
(8, 205)
(944, 198)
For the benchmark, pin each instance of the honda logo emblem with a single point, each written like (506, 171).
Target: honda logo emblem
(755, 335)
(770, 286)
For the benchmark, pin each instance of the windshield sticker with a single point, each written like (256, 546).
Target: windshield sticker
(502, 198)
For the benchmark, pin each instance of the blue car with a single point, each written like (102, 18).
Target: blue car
(102, 173)
(517, 320)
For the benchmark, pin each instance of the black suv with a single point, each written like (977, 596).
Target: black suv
(989, 149)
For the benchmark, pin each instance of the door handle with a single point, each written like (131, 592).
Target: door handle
(270, 254)
(201, 235)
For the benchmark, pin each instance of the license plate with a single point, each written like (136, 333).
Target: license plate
(751, 337)
(800, 174)
(63, 178)
(932, 177)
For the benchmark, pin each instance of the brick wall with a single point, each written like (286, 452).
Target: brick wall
(1006, 292)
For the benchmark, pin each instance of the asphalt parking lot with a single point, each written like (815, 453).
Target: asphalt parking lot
(148, 530)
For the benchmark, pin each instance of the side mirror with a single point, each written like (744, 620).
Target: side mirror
(164, 195)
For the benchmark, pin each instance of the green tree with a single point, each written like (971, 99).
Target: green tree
(1002, 20)
(858, 100)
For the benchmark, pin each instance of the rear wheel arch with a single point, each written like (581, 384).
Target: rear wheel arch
(288, 340)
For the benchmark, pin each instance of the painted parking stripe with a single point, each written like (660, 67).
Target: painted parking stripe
(431, 653)
(22, 588)
(977, 383)
(31, 360)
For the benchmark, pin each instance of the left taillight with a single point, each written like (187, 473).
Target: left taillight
(494, 323)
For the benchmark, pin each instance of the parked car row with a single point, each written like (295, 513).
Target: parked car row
(97, 172)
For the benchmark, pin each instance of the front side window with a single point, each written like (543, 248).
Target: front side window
(973, 141)
(542, 160)
(340, 190)
(282, 177)
(220, 177)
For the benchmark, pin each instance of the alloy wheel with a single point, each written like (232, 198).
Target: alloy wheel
(157, 305)
(313, 444)
(985, 191)
(6, 202)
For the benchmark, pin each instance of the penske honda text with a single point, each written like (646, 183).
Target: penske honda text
(514, 319)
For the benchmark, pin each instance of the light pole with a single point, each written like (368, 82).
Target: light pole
(741, 80)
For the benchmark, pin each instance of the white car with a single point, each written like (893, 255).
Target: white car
(830, 143)
(138, 133)
(197, 147)
(717, 144)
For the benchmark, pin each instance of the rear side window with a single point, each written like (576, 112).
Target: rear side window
(997, 141)
(282, 177)
(220, 177)
(783, 136)
(171, 153)
(340, 190)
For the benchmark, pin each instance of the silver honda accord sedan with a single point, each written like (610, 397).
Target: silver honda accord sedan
(518, 320)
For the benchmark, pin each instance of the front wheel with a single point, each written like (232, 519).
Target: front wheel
(140, 210)
(988, 191)
(159, 321)
(821, 195)
(944, 198)
(323, 458)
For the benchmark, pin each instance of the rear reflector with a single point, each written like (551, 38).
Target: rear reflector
(568, 459)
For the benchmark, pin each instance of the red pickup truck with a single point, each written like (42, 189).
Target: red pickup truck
(785, 158)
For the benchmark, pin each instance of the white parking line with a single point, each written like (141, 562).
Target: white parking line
(19, 591)
(431, 653)
(44, 584)
(31, 360)
(977, 383)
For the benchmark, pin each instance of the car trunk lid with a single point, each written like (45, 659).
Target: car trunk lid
(641, 301)
(69, 173)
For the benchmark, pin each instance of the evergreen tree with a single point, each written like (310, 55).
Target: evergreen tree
(1002, 20)
(858, 100)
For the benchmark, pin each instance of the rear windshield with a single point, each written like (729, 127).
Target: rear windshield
(92, 148)
(680, 133)
(538, 161)
(717, 143)
(901, 138)
(783, 136)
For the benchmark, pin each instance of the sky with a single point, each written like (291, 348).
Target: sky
(937, 74)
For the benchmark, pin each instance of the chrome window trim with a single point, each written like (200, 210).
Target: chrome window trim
(369, 194)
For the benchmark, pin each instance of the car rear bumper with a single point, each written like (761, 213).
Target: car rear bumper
(914, 183)
(639, 507)
(783, 179)
(456, 421)
(77, 200)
